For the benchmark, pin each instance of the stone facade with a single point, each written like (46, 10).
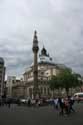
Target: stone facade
(35, 78)
(24, 88)
(2, 76)
(15, 87)
(46, 69)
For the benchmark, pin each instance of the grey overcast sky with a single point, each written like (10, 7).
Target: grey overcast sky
(59, 24)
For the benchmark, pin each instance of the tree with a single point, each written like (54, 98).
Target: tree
(65, 79)
(68, 80)
(54, 83)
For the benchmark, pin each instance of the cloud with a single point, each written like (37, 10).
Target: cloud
(60, 28)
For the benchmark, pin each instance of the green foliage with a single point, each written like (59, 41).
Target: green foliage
(54, 82)
(66, 79)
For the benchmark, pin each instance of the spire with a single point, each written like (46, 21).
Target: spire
(35, 36)
(35, 32)
(35, 42)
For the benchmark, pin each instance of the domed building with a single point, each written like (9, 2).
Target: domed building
(35, 78)
(46, 69)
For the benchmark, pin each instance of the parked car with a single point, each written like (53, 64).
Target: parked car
(78, 96)
(50, 101)
(24, 100)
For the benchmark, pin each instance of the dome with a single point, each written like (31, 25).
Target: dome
(1, 60)
(44, 56)
(44, 52)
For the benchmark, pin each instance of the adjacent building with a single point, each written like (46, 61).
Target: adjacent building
(15, 87)
(11, 80)
(2, 76)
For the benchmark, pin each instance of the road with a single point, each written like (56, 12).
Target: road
(39, 116)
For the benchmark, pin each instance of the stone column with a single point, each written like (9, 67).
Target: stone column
(35, 66)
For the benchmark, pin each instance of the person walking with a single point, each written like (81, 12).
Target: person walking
(61, 104)
(56, 103)
(66, 106)
(71, 102)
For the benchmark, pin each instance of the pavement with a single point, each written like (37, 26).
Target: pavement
(21, 115)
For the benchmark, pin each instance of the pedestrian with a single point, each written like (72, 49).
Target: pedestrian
(29, 102)
(61, 104)
(9, 101)
(71, 102)
(66, 106)
(56, 103)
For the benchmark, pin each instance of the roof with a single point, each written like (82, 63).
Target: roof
(49, 63)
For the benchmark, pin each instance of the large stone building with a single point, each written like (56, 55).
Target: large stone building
(35, 78)
(2, 76)
(24, 87)
(46, 69)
